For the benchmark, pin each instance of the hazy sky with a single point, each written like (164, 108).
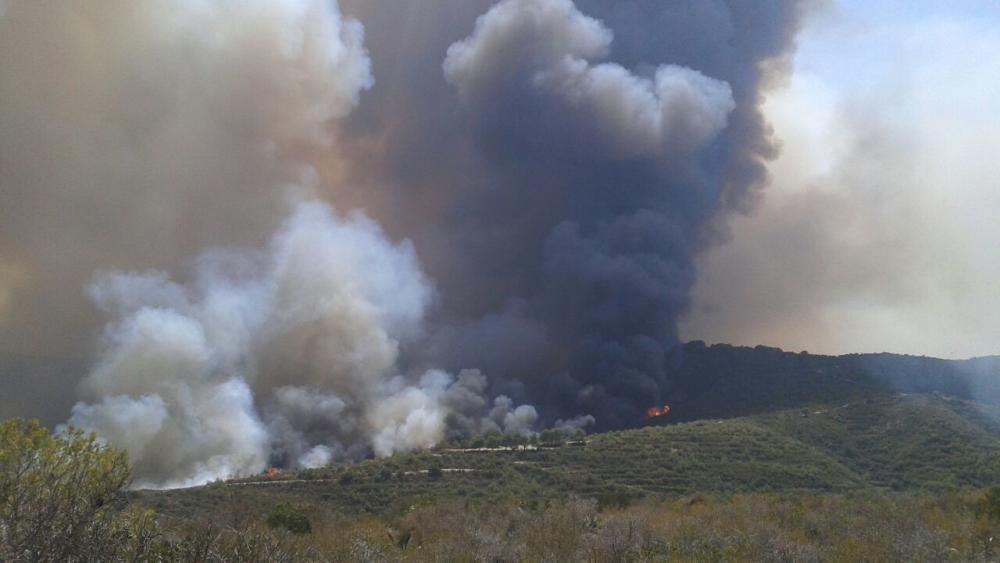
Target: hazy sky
(881, 230)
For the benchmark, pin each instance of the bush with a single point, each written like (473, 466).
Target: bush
(989, 506)
(346, 478)
(289, 517)
(615, 498)
(57, 494)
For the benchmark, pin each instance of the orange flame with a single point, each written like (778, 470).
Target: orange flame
(653, 412)
(272, 472)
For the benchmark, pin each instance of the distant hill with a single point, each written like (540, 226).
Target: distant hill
(880, 442)
(723, 381)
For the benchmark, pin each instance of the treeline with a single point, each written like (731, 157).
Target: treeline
(62, 498)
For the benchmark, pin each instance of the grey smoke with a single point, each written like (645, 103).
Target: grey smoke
(536, 57)
(575, 424)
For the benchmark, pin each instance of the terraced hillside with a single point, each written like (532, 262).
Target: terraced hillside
(898, 442)
(904, 442)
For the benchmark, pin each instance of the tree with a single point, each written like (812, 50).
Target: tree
(57, 496)
(435, 473)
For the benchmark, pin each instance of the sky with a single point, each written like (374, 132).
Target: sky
(880, 229)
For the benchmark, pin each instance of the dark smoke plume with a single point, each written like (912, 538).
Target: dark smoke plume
(562, 177)
(557, 167)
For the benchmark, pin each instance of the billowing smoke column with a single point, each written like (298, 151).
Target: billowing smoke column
(557, 166)
(612, 281)
(576, 158)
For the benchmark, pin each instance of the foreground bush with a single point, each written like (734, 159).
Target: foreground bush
(57, 496)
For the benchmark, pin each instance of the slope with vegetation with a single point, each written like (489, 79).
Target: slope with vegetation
(62, 498)
(914, 443)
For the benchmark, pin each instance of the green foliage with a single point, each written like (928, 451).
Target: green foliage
(57, 494)
(989, 506)
(913, 442)
(347, 477)
(617, 498)
(289, 517)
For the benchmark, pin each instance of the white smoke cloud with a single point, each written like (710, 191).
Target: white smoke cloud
(577, 423)
(547, 47)
(442, 406)
(509, 419)
(287, 354)
(316, 457)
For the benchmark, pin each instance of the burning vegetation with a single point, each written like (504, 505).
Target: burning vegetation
(656, 412)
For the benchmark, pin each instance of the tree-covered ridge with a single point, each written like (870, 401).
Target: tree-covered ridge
(724, 381)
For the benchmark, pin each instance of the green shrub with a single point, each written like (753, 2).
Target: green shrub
(289, 517)
(989, 506)
(57, 497)
(435, 473)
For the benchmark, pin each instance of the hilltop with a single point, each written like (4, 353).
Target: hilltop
(723, 381)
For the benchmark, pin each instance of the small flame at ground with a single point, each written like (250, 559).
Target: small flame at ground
(272, 472)
(653, 412)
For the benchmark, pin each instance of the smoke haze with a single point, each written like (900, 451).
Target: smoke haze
(558, 167)
(137, 134)
(879, 232)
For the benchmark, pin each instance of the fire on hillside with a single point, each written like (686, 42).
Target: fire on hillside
(656, 412)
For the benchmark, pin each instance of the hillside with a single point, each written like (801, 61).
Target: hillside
(723, 381)
(883, 442)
